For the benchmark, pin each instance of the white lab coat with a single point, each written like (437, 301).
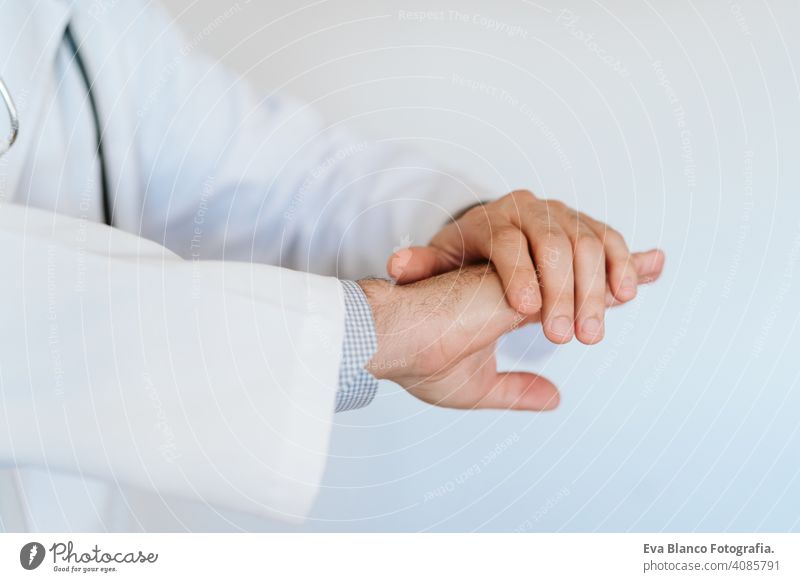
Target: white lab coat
(137, 369)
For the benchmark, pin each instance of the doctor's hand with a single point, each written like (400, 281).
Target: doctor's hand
(548, 256)
(437, 339)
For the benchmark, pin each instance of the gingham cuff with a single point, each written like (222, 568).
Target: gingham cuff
(357, 387)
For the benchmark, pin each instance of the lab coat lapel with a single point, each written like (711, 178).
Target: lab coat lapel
(30, 35)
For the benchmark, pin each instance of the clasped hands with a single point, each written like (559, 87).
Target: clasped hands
(515, 261)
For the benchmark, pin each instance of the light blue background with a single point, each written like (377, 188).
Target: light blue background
(686, 417)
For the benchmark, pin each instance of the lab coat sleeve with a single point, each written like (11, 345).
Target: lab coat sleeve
(267, 177)
(204, 380)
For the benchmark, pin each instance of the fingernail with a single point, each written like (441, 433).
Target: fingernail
(592, 326)
(561, 326)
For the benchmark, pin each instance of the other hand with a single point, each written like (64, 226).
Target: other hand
(437, 339)
(548, 256)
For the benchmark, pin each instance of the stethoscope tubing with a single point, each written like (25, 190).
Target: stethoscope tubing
(13, 116)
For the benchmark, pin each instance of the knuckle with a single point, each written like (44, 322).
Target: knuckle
(524, 275)
(527, 269)
(551, 233)
(522, 195)
(505, 238)
(588, 245)
(565, 301)
(518, 202)
(613, 237)
(555, 204)
(594, 300)
(551, 254)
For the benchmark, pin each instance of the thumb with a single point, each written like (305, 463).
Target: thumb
(416, 263)
(521, 391)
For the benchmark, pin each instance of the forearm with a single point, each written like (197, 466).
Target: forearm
(181, 369)
(378, 199)
(304, 194)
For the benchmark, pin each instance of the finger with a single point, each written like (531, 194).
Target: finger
(648, 267)
(552, 256)
(416, 263)
(450, 248)
(620, 270)
(521, 391)
(509, 253)
(590, 282)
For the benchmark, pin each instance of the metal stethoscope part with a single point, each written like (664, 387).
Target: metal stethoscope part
(13, 117)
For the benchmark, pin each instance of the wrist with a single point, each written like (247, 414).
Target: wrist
(386, 301)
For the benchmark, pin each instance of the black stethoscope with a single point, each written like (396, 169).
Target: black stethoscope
(69, 39)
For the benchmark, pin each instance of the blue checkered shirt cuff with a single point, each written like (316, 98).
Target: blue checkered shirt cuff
(357, 387)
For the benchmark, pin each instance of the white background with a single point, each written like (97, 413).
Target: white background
(677, 123)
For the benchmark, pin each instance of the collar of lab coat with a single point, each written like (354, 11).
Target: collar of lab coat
(31, 33)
